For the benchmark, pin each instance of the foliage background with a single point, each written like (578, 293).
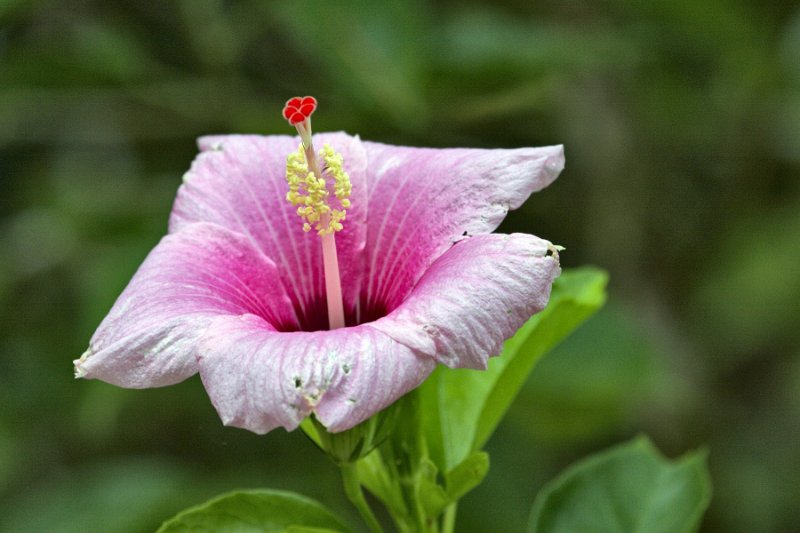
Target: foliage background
(681, 122)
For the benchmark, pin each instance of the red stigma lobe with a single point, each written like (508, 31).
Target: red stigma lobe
(298, 109)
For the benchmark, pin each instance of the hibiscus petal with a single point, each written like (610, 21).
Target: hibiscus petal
(149, 339)
(474, 297)
(259, 379)
(423, 200)
(239, 182)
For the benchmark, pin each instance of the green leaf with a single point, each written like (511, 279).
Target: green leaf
(257, 511)
(467, 475)
(458, 481)
(630, 488)
(463, 407)
(433, 497)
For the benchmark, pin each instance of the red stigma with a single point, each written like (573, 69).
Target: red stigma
(299, 108)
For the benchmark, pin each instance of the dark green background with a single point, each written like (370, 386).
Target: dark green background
(681, 121)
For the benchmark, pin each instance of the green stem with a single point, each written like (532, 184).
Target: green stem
(449, 520)
(352, 487)
(423, 526)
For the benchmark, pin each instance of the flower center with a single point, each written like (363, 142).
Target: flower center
(309, 191)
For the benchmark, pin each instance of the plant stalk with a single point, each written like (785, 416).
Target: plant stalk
(449, 520)
(352, 487)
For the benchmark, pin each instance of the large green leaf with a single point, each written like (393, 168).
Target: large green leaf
(256, 511)
(463, 407)
(630, 488)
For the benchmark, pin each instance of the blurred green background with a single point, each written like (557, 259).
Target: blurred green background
(681, 121)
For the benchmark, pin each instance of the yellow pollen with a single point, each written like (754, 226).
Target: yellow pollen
(310, 193)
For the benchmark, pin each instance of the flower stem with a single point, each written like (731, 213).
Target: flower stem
(449, 520)
(352, 487)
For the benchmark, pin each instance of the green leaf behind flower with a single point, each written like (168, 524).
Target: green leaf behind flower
(630, 488)
(256, 511)
(463, 407)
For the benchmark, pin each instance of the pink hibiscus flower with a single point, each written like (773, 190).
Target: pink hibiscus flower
(237, 291)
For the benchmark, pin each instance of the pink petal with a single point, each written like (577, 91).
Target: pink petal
(423, 200)
(149, 339)
(238, 182)
(474, 297)
(259, 379)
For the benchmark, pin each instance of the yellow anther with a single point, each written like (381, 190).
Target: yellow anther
(334, 164)
(310, 193)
